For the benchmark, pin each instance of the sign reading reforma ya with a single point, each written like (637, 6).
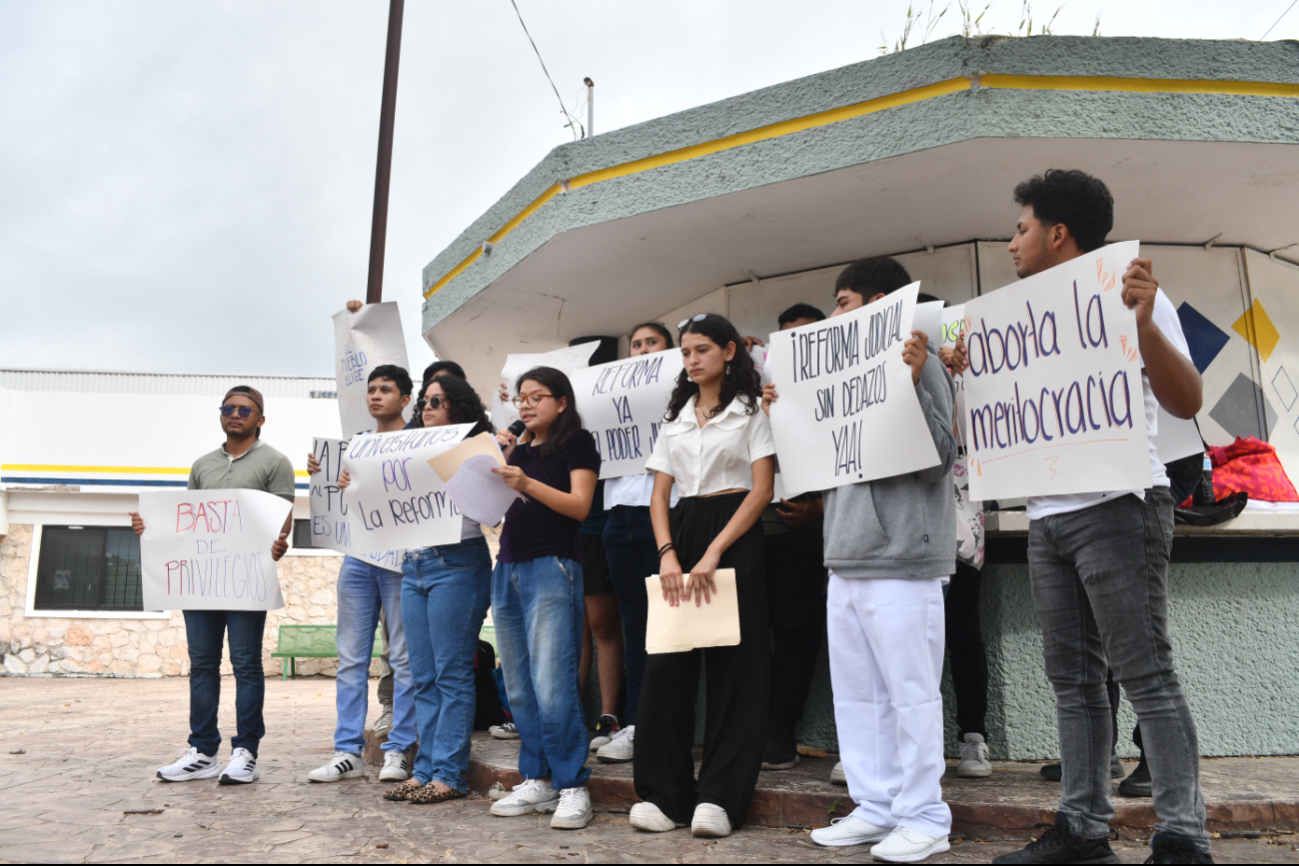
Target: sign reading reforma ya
(1053, 395)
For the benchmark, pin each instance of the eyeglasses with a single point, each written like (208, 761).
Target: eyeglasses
(433, 403)
(229, 411)
(533, 400)
(681, 326)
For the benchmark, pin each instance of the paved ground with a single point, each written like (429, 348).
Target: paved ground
(83, 790)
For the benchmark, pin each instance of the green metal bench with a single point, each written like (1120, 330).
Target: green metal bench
(312, 642)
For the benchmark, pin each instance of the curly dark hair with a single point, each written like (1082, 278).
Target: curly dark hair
(464, 406)
(741, 380)
(1082, 202)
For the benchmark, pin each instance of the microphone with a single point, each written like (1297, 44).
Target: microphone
(517, 428)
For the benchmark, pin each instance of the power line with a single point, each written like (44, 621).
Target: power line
(1269, 30)
(572, 122)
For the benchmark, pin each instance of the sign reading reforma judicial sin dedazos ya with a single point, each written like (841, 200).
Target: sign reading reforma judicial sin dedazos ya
(848, 411)
(1053, 395)
(210, 549)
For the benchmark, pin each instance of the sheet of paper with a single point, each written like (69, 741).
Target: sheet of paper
(848, 411)
(329, 525)
(364, 340)
(687, 626)
(210, 549)
(466, 470)
(1053, 396)
(622, 405)
(396, 500)
(929, 321)
(565, 360)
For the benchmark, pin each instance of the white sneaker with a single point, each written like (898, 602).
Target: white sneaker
(192, 765)
(621, 747)
(506, 731)
(532, 795)
(710, 822)
(650, 818)
(974, 758)
(574, 810)
(837, 775)
(845, 832)
(905, 845)
(383, 725)
(394, 767)
(242, 769)
(344, 765)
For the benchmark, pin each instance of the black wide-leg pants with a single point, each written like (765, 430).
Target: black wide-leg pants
(737, 689)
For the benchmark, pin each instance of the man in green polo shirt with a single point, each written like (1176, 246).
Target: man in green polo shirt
(243, 462)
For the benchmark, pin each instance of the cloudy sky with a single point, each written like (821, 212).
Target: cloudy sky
(186, 187)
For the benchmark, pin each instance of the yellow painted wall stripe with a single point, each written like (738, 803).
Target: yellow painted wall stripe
(859, 109)
(117, 470)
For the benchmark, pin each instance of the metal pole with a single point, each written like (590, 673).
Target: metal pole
(590, 107)
(383, 168)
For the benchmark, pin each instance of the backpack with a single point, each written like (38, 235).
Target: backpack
(1250, 466)
(487, 710)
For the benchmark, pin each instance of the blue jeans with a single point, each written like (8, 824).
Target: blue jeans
(362, 589)
(537, 608)
(633, 556)
(205, 630)
(444, 598)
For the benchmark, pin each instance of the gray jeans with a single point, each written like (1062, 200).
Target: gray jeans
(1100, 586)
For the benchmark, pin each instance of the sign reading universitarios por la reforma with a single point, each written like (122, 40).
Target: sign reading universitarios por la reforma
(848, 411)
(622, 404)
(210, 549)
(1053, 396)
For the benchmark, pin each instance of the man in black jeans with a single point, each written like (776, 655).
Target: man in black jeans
(796, 582)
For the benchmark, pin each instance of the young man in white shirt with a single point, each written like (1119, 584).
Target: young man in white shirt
(1098, 565)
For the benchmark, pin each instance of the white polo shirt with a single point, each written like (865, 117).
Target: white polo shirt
(718, 456)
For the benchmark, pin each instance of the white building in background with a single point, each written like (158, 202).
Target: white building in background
(76, 450)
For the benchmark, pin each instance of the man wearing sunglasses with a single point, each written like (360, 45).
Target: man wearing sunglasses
(242, 462)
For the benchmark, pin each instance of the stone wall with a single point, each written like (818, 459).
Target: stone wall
(52, 645)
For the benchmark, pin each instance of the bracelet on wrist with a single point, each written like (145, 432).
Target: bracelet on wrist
(665, 548)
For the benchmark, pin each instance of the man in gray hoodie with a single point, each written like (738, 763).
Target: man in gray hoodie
(889, 545)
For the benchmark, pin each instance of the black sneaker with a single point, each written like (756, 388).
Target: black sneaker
(781, 754)
(1052, 772)
(1175, 848)
(1138, 784)
(1059, 845)
(604, 731)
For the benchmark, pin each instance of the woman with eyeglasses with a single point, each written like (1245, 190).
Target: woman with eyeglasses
(630, 549)
(445, 591)
(537, 602)
(715, 448)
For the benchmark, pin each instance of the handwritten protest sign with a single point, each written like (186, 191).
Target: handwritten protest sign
(622, 404)
(396, 500)
(362, 341)
(210, 549)
(466, 470)
(848, 411)
(1053, 397)
(329, 526)
(565, 360)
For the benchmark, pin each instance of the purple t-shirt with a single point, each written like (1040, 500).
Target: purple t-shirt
(533, 530)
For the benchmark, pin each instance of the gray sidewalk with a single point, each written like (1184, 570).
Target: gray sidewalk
(84, 791)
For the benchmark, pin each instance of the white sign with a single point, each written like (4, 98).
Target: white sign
(848, 411)
(210, 549)
(565, 360)
(396, 500)
(329, 525)
(364, 340)
(954, 327)
(929, 321)
(1053, 397)
(622, 404)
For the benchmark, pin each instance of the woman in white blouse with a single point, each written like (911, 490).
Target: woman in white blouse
(716, 449)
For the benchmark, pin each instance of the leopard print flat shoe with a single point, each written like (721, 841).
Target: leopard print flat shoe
(430, 794)
(405, 791)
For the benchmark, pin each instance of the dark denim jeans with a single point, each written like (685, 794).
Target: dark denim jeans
(1100, 586)
(205, 630)
(444, 598)
(537, 609)
(633, 556)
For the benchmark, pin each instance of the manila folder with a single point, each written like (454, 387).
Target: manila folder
(687, 626)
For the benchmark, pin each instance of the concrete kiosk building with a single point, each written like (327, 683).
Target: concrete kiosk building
(746, 206)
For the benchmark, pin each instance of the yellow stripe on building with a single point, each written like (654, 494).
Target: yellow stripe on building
(115, 470)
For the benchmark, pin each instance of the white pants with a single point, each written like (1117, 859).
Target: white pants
(886, 664)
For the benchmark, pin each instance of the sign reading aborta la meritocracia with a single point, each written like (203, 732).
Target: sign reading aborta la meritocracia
(210, 549)
(1053, 395)
(622, 405)
(848, 411)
